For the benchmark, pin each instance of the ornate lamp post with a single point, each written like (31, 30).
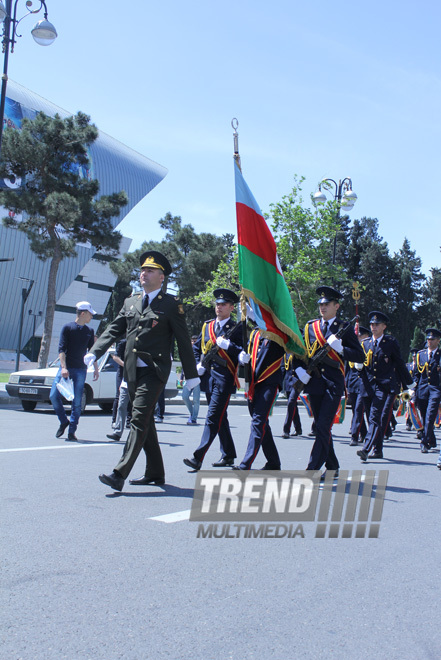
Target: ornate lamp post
(344, 196)
(43, 32)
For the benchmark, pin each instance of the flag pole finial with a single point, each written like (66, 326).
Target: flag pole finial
(235, 124)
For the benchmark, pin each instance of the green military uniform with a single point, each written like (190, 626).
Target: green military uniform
(149, 336)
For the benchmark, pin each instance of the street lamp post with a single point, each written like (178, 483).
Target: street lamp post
(344, 196)
(43, 33)
(24, 296)
(35, 316)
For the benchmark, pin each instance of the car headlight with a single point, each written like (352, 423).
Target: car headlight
(49, 380)
(14, 379)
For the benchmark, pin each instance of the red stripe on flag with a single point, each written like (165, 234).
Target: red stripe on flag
(254, 234)
(271, 326)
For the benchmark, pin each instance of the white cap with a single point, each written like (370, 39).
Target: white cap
(83, 305)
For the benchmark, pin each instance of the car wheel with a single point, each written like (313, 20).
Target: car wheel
(29, 406)
(106, 407)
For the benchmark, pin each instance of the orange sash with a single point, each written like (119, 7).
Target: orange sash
(322, 341)
(253, 347)
(224, 355)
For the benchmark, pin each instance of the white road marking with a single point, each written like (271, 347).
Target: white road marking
(173, 517)
(69, 446)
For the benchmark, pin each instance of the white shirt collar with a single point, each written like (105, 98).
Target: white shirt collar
(222, 323)
(152, 295)
(377, 340)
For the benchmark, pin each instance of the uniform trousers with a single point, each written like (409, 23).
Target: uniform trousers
(358, 425)
(386, 417)
(429, 410)
(324, 407)
(142, 428)
(374, 409)
(216, 422)
(292, 413)
(261, 435)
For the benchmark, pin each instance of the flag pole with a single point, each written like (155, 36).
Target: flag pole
(243, 304)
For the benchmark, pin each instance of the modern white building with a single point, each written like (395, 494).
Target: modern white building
(83, 277)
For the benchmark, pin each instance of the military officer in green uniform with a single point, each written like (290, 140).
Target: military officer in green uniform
(149, 320)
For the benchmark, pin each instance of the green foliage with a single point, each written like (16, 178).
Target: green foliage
(59, 206)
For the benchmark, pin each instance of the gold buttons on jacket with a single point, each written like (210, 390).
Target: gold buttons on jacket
(134, 350)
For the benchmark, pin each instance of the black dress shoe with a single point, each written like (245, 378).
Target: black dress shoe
(285, 435)
(113, 436)
(113, 480)
(224, 462)
(353, 443)
(376, 454)
(336, 474)
(268, 466)
(148, 481)
(297, 433)
(363, 454)
(72, 437)
(424, 448)
(61, 430)
(438, 465)
(193, 463)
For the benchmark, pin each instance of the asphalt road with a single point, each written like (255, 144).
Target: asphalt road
(88, 574)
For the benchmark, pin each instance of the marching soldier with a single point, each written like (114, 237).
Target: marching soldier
(150, 320)
(413, 370)
(292, 410)
(326, 387)
(428, 389)
(382, 366)
(265, 356)
(219, 378)
(353, 385)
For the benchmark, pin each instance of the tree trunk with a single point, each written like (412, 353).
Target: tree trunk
(50, 308)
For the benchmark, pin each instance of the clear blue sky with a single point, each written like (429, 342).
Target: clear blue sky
(320, 89)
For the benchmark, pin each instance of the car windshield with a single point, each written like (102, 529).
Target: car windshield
(56, 363)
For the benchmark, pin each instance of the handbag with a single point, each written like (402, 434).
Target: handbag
(65, 387)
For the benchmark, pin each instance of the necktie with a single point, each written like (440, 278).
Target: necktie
(217, 328)
(145, 302)
(375, 345)
(325, 328)
(430, 355)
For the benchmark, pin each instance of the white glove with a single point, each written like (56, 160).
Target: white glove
(335, 343)
(223, 343)
(192, 382)
(413, 385)
(250, 313)
(89, 359)
(244, 357)
(411, 393)
(359, 365)
(302, 375)
(200, 369)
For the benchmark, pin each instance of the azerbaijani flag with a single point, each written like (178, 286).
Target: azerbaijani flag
(260, 273)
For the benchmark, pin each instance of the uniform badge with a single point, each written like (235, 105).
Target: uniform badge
(154, 322)
(181, 309)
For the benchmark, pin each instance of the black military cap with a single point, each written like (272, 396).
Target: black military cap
(327, 293)
(414, 351)
(225, 295)
(153, 259)
(378, 317)
(364, 331)
(432, 333)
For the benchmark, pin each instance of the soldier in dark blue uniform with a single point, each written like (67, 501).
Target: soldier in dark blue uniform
(428, 390)
(292, 410)
(382, 366)
(219, 378)
(326, 387)
(266, 380)
(353, 386)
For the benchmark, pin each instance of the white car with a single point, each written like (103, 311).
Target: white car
(34, 385)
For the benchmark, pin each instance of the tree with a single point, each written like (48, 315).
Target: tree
(61, 206)
(305, 242)
(429, 311)
(405, 294)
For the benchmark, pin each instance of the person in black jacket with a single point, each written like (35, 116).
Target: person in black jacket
(382, 366)
(326, 387)
(218, 379)
(428, 390)
(266, 357)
